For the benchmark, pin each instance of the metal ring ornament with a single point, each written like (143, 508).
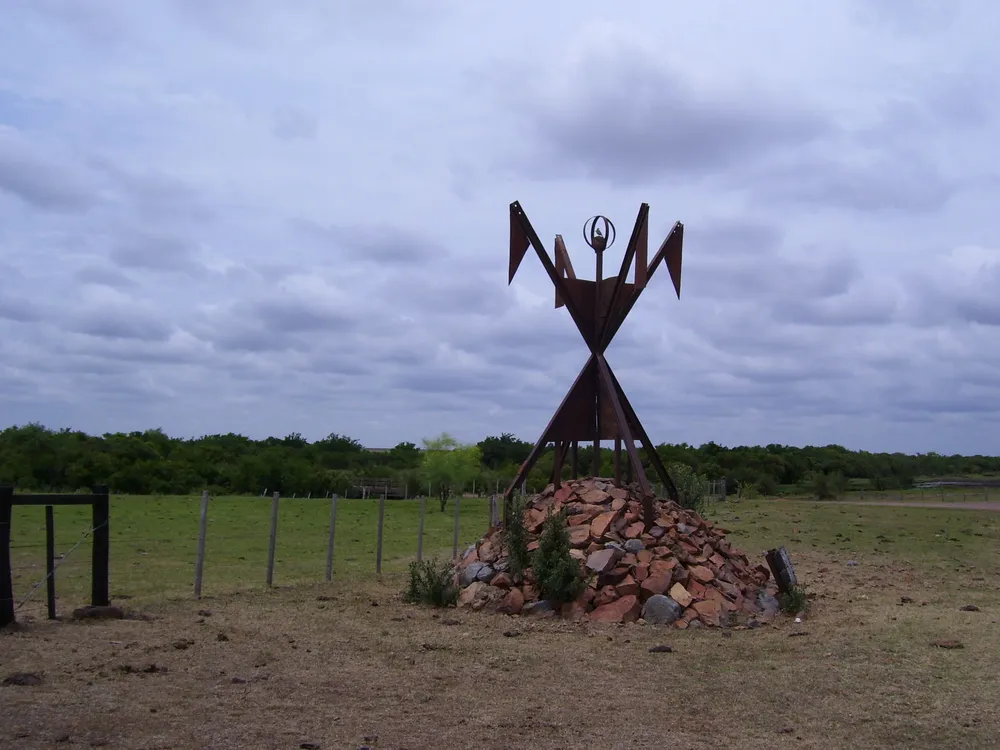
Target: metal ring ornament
(591, 236)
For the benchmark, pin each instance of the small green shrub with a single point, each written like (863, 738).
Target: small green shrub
(794, 601)
(826, 486)
(557, 573)
(516, 539)
(431, 583)
(690, 486)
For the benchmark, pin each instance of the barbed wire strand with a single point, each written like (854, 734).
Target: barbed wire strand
(38, 584)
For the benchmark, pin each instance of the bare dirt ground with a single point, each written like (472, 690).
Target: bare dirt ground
(980, 505)
(349, 665)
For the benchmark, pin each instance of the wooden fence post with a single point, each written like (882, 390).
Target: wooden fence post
(199, 566)
(6, 574)
(330, 542)
(274, 538)
(99, 593)
(50, 560)
(381, 519)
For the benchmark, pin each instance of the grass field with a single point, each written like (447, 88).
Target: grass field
(154, 543)
(336, 665)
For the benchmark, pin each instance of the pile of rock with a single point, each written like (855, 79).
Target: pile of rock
(681, 571)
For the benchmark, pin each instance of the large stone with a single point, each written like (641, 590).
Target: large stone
(599, 526)
(468, 595)
(661, 610)
(634, 530)
(502, 581)
(680, 594)
(701, 574)
(634, 546)
(603, 560)
(657, 583)
(709, 612)
(579, 535)
(538, 609)
(513, 603)
(626, 609)
(486, 573)
(595, 497)
(627, 587)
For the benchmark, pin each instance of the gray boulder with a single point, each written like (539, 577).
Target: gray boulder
(661, 610)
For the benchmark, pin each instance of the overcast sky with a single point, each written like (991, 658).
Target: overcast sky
(272, 217)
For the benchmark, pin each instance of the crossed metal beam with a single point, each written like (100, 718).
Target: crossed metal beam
(596, 408)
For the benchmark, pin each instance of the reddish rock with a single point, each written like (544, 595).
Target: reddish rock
(502, 581)
(600, 525)
(530, 592)
(695, 589)
(641, 572)
(644, 558)
(661, 567)
(603, 560)
(655, 584)
(617, 504)
(595, 497)
(634, 531)
(579, 536)
(629, 560)
(573, 611)
(701, 574)
(709, 612)
(627, 587)
(606, 595)
(513, 603)
(618, 493)
(680, 595)
(578, 554)
(717, 560)
(625, 609)
(563, 494)
(532, 546)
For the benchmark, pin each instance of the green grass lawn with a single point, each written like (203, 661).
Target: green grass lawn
(154, 540)
(926, 536)
(154, 543)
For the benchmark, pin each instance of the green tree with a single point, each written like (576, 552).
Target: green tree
(448, 465)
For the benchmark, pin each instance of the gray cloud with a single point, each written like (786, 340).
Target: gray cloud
(163, 253)
(632, 119)
(205, 225)
(292, 124)
(41, 182)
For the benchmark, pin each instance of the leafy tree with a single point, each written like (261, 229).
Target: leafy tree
(449, 465)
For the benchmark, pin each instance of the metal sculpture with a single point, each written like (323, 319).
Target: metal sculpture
(596, 408)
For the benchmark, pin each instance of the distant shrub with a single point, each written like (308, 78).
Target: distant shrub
(826, 485)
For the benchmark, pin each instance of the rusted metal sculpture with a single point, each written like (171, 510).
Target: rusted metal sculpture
(596, 408)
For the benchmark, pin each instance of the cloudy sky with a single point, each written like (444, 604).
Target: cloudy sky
(263, 217)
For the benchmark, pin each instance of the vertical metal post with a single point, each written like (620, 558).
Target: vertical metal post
(330, 541)
(50, 560)
(381, 520)
(454, 540)
(420, 530)
(199, 567)
(272, 542)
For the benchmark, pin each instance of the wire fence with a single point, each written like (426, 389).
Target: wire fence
(161, 548)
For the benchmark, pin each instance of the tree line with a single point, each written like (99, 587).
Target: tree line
(35, 458)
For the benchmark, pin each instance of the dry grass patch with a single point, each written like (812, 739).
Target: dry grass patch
(280, 669)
